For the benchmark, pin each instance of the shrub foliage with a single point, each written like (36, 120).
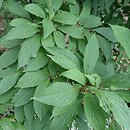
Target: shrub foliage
(62, 66)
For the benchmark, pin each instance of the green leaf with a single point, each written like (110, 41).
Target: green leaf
(72, 31)
(107, 33)
(19, 21)
(110, 69)
(11, 57)
(23, 96)
(101, 69)
(35, 9)
(6, 124)
(91, 54)
(92, 21)
(8, 82)
(18, 126)
(31, 79)
(81, 45)
(53, 68)
(114, 126)
(118, 81)
(64, 58)
(29, 48)
(81, 124)
(86, 10)
(74, 8)
(124, 94)
(72, 44)
(59, 39)
(37, 62)
(29, 111)
(8, 71)
(4, 107)
(59, 110)
(56, 4)
(65, 18)
(91, 79)
(10, 43)
(65, 119)
(22, 31)
(48, 27)
(38, 125)
(94, 113)
(75, 75)
(58, 94)
(1, 3)
(114, 103)
(8, 95)
(19, 114)
(48, 42)
(122, 34)
(40, 109)
(17, 8)
(42, 86)
(105, 46)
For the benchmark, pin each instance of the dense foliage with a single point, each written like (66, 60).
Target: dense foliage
(65, 64)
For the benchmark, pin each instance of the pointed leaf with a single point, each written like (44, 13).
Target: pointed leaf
(11, 57)
(65, 18)
(57, 4)
(94, 113)
(48, 27)
(118, 81)
(59, 110)
(37, 62)
(114, 103)
(31, 79)
(75, 75)
(48, 42)
(91, 54)
(7, 96)
(122, 34)
(58, 94)
(64, 58)
(72, 44)
(22, 31)
(59, 39)
(81, 124)
(16, 8)
(92, 21)
(19, 114)
(29, 111)
(19, 21)
(65, 119)
(40, 109)
(10, 43)
(105, 46)
(72, 31)
(28, 49)
(74, 8)
(124, 94)
(23, 96)
(81, 45)
(8, 82)
(107, 33)
(35, 9)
